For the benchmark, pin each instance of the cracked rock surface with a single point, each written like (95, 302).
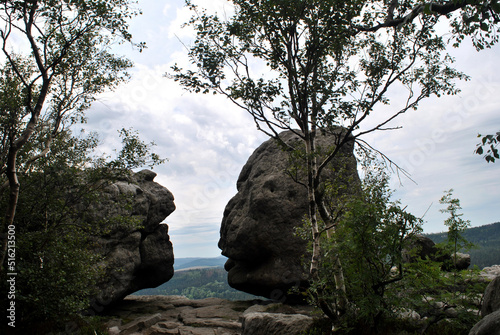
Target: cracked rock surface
(258, 230)
(152, 315)
(138, 254)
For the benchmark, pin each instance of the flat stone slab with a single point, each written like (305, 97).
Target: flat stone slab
(155, 315)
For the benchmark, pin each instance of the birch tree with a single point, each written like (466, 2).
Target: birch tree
(57, 59)
(325, 66)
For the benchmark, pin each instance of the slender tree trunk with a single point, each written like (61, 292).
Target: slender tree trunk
(312, 166)
(311, 171)
(338, 273)
(14, 187)
(15, 146)
(316, 206)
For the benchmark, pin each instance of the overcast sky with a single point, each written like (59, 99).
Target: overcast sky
(208, 140)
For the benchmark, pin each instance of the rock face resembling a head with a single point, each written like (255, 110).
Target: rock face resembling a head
(258, 227)
(135, 257)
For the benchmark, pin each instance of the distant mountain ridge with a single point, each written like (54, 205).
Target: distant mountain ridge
(198, 277)
(487, 240)
(198, 262)
(199, 283)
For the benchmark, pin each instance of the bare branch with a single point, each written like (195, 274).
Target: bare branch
(435, 8)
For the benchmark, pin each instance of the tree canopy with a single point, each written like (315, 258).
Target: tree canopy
(331, 66)
(57, 59)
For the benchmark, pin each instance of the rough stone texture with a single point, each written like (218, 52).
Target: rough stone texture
(463, 261)
(489, 325)
(276, 324)
(491, 272)
(258, 226)
(141, 324)
(137, 255)
(426, 248)
(150, 315)
(491, 298)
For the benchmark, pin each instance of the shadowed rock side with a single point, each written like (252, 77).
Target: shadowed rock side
(426, 248)
(490, 311)
(138, 254)
(258, 228)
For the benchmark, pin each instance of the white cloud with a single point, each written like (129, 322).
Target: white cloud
(207, 139)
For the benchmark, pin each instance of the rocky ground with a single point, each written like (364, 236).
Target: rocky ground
(155, 315)
(152, 315)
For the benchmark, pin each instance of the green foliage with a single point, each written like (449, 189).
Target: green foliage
(58, 273)
(456, 226)
(369, 239)
(320, 72)
(56, 258)
(452, 295)
(307, 49)
(199, 284)
(135, 153)
(49, 87)
(316, 66)
(440, 295)
(479, 20)
(490, 142)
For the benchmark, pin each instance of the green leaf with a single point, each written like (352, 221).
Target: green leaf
(495, 152)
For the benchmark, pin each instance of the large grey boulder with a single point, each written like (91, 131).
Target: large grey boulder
(490, 272)
(425, 248)
(490, 310)
(265, 257)
(462, 261)
(136, 247)
(422, 247)
(491, 298)
(489, 325)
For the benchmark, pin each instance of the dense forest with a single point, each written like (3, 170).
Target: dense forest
(199, 284)
(487, 244)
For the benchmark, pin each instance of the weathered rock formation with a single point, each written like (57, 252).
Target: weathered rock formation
(491, 298)
(258, 227)
(423, 247)
(152, 315)
(175, 315)
(148, 315)
(491, 272)
(489, 325)
(490, 310)
(137, 250)
(461, 261)
(276, 323)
